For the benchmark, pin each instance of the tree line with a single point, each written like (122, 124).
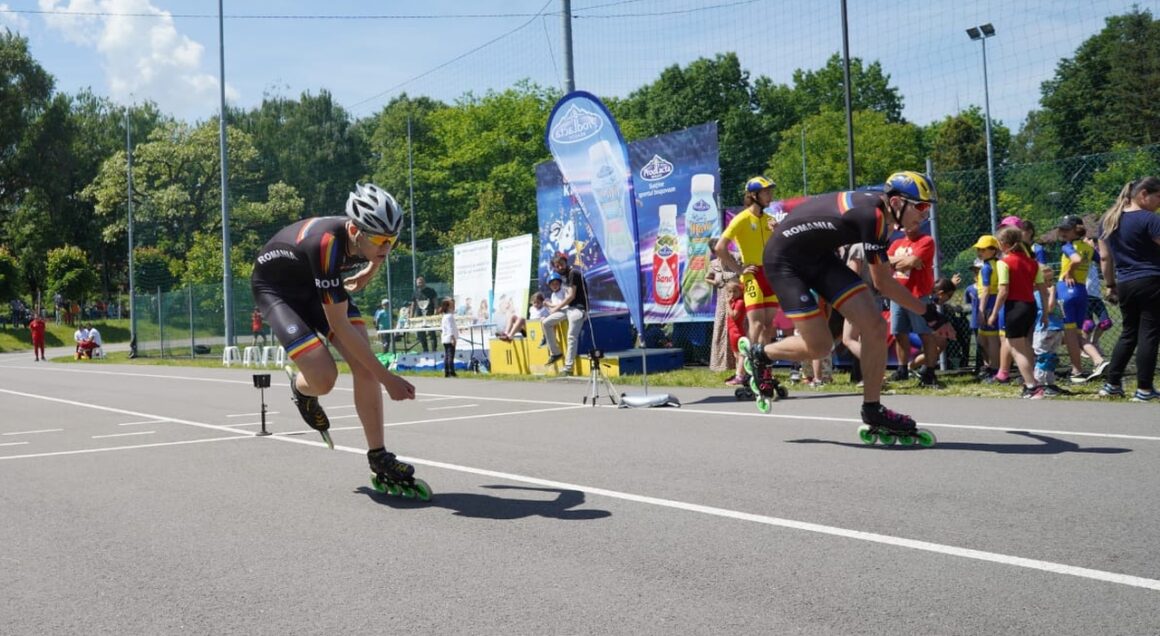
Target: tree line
(64, 192)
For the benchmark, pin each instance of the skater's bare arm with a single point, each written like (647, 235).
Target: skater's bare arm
(360, 280)
(359, 352)
(883, 278)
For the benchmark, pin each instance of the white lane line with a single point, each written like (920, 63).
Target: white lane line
(13, 443)
(477, 416)
(259, 423)
(109, 409)
(43, 430)
(121, 448)
(143, 422)
(124, 434)
(252, 414)
(448, 408)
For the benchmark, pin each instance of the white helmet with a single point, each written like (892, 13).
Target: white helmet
(374, 210)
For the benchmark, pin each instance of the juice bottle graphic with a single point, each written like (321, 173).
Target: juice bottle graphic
(609, 189)
(666, 259)
(702, 223)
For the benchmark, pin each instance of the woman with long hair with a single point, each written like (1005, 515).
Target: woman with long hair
(1130, 244)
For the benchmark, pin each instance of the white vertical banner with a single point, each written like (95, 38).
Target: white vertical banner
(513, 271)
(472, 283)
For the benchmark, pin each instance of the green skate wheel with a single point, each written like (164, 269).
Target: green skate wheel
(763, 404)
(887, 439)
(422, 490)
(866, 436)
(753, 385)
(393, 489)
(926, 439)
(906, 440)
(408, 492)
(378, 485)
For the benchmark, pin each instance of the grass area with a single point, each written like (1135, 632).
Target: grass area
(956, 385)
(20, 339)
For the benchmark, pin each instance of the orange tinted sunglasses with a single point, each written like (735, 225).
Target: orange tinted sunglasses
(921, 206)
(379, 240)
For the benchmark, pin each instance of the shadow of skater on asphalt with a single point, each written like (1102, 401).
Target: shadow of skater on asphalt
(726, 399)
(491, 507)
(1048, 446)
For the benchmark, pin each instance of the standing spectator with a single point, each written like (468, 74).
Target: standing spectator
(383, 322)
(1019, 277)
(256, 328)
(912, 258)
(574, 309)
(1098, 320)
(721, 355)
(1071, 292)
(987, 284)
(1037, 249)
(59, 307)
(36, 326)
(449, 334)
(750, 230)
(80, 336)
(1048, 336)
(423, 303)
(1130, 243)
(737, 328)
(971, 296)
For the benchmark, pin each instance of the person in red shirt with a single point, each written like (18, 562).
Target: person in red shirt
(1019, 278)
(36, 326)
(737, 328)
(912, 258)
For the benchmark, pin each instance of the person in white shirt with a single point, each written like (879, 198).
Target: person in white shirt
(81, 336)
(450, 333)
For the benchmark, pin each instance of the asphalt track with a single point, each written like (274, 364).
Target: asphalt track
(137, 500)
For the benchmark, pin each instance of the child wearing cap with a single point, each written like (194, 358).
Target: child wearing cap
(1071, 291)
(1019, 277)
(987, 285)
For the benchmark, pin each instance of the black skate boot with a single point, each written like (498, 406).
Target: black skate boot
(883, 425)
(761, 381)
(394, 477)
(310, 409)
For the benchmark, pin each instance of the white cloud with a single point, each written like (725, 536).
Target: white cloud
(13, 21)
(142, 53)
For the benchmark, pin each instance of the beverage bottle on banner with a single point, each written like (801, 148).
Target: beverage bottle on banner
(608, 187)
(666, 259)
(701, 222)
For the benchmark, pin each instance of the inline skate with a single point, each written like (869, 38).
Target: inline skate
(764, 387)
(886, 426)
(309, 408)
(394, 477)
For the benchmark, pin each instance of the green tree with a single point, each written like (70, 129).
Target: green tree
(883, 147)
(959, 142)
(11, 282)
(71, 273)
(1126, 165)
(1109, 92)
(310, 144)
(825, 89)
(25, 90)
(203, 262)
(153, 270)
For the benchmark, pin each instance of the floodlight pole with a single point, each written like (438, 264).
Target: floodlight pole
(129, 203)
(227, 278)
(981, 33)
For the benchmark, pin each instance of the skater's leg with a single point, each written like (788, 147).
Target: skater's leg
(863, 313)
(317, 372)
(811, 340)
(368, 398)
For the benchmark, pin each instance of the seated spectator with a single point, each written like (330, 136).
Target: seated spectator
(517, 326)
(81, 337)
(94, 340)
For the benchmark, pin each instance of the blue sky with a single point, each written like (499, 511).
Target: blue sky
(444, 48)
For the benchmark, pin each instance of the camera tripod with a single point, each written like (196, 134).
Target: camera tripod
(596, 377)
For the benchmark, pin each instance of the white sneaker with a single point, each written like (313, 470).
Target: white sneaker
(1099, 370)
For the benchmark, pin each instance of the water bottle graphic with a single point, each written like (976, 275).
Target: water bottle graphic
(608, 187)
(666, 259)
(702, 223)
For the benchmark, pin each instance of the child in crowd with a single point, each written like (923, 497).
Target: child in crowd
(987, 285)
(1098, 321)
(737, 328)
(1019, 277)
(449, 333)
(943, 291)
(1048, 336)
(517, 326)
(1071, 292)
(971, 296)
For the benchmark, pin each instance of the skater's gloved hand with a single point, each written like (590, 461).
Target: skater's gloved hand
(933, 318)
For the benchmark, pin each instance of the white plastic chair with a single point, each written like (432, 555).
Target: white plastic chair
(250, 356)
(280, 357)
(231, 355)
(270, 354)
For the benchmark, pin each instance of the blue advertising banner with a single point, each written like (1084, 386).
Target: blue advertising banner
(593, 158)
(677, 180)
